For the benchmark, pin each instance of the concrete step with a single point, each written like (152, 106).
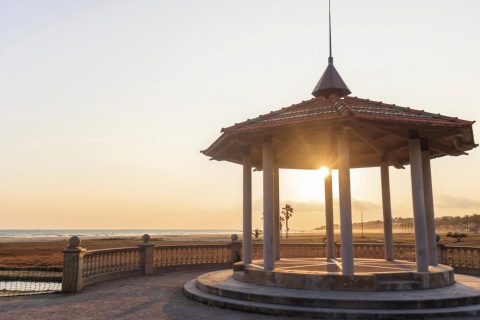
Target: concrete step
(221, 283)
(394, 275)
(398, 285)
(192, 291)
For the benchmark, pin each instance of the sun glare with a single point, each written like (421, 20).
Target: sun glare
(324, 171)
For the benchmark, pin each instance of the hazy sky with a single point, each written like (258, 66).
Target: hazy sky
(105, 105)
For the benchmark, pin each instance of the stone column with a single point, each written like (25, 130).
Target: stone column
(429, 212)
(387, 212)
(421, 250)
(72, 266)
(329, 227)
(147, 254)
(268, 250)
(276, 212)
(343, 154)
(247, 206)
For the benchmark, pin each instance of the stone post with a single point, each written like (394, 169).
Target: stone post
(441, 252)
(429, 210)
(387, 211)
(72, 266)
(247, 206)
(268, 245)
(147, 254)
(346, 233)
(235, 249)
(420, 224)
(329, 226)
(276, 212)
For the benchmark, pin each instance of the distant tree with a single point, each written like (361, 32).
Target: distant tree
(287, 212)
(282, 220)
(257, 232)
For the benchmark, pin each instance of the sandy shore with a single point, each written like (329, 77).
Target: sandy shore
(189, 237)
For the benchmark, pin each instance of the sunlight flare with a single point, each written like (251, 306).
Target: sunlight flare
(324, 171)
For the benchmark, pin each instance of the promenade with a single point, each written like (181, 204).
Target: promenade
(145, 297)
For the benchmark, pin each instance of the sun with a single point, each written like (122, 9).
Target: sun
(304, 185)
(324, 171)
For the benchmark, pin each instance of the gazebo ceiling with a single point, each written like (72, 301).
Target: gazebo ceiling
(304, 134)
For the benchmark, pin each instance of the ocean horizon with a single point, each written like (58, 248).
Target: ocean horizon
(108, 232)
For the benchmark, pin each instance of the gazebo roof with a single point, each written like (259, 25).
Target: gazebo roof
(304, 134)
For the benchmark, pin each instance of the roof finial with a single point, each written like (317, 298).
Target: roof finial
(330, 58)
(330, 82)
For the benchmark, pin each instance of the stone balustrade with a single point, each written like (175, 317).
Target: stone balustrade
(191, 255)
(111, 260)
(82, 267)
(465, 260)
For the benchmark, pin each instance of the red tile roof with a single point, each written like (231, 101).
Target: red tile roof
(304, 134)
(334, 109)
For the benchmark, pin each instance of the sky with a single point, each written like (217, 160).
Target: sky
(105, 105)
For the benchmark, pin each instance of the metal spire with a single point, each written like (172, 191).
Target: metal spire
(330, 58)
(330, 82)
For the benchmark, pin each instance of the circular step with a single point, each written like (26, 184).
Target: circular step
(220, 289)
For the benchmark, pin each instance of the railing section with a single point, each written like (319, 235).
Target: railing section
(111, 260)
(318, 250)
(191, 255)
(99, 265)
(465, 257)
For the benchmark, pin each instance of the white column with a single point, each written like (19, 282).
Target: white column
(268, 250)
(421, 251)
(329, 228)
(276, 212)
(387, 212)
(247, 206)
(343, 154)
(429, 212)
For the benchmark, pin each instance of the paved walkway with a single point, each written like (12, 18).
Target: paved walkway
(145, 297)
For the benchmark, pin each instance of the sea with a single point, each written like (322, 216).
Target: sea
(106, 233)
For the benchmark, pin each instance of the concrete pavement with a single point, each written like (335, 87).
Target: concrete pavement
(145, 297)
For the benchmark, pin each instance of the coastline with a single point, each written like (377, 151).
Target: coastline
(170, 237)
(12, 236)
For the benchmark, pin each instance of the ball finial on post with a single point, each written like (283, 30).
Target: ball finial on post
(146, 238)
(74, 242)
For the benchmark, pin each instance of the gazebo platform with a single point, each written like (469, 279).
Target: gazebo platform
(220, 288)
(326, 274)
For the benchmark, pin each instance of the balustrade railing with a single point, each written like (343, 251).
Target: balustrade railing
(464, 257)
(369, 251)
(191, 255)
(87, 267)
(314, 250)
(111, 260)
(318, 250)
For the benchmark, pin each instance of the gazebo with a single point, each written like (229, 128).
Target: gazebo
(341, 132)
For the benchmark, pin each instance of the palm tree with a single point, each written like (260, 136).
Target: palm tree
(281, 221)
(287, 212)
(257, 232)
